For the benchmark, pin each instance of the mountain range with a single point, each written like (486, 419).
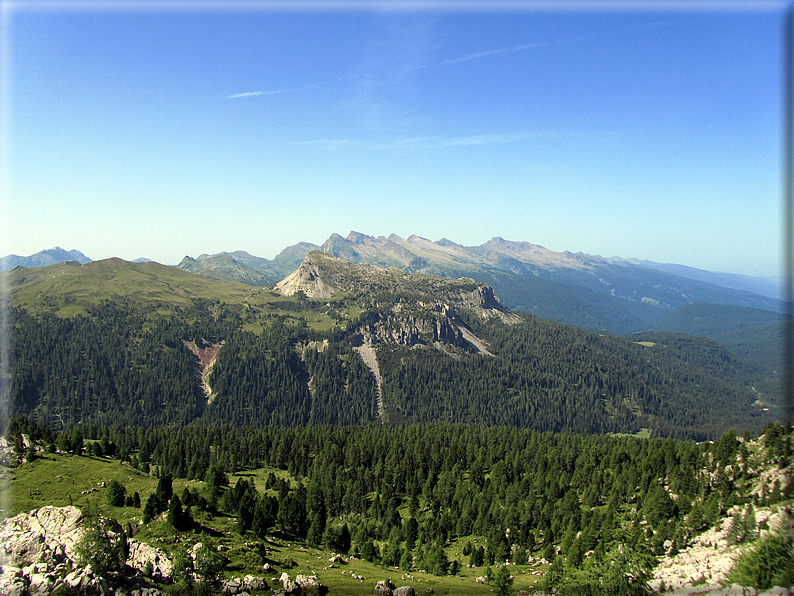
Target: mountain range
(609, 295)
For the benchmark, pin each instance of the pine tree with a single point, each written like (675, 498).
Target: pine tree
(103, 544)
(151, 509)
(116, 493)
(503, 582)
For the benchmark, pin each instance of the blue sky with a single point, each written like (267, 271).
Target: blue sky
(641, 133)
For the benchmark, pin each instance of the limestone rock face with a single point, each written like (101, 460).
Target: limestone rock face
(47, 535)
(410, 330)
(308, 279)
(38, 554)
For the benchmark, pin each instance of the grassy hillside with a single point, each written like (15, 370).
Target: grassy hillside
(60, 480)
(68, 288)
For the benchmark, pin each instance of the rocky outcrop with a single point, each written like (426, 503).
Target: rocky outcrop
(322, 276)
(310, 279)
(403, 329)
(302, 584)
(387, 588)
(702, 567)
(48, 535)
(38, 554)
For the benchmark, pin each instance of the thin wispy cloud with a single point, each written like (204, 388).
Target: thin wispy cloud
(486, 53)
(450, 61)
(258, 93)
(287, 90)
(465, 141)
(531, 46)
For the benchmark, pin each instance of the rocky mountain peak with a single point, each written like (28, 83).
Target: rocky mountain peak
(358, 237)
(310, 278)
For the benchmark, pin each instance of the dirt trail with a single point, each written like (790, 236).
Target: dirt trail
(367, 353)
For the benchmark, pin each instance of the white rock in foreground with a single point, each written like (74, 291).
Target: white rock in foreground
(710, 557)
(38, 553)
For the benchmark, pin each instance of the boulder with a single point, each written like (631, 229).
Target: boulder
(142, 554)
(232, 586)
(288, 585)
(251, 582)
(47, 535)
(307, 581)
(404, 591)
(384, 587)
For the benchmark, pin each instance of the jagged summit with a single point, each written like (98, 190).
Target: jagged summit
(358, 237)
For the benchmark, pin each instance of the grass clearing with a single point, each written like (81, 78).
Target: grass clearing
(61, 480)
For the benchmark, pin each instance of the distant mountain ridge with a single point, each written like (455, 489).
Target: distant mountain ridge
(759, 285)
(588, 291)
(42, 258)
(609, 295)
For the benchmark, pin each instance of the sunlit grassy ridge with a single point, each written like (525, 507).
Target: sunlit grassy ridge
(72, 286)
(68, 289)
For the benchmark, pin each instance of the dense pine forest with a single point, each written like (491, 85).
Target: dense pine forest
(399, 496)
(129, 365)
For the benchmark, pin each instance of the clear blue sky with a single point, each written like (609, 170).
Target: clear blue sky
(642, 133)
